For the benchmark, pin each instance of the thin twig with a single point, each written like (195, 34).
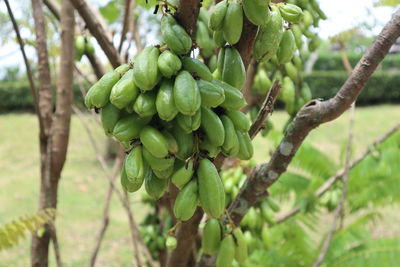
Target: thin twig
(339, 174)
(125, 23)
(56, 246)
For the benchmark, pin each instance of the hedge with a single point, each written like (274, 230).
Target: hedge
(17, 96)
(383, 87)
(334, 62)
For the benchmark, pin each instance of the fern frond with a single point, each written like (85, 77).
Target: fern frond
(11, 233)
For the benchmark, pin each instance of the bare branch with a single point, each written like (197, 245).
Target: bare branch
(246, 90)
(125, 23)
(97, 29)
(53, 7)
(309, 117)
(187, 13)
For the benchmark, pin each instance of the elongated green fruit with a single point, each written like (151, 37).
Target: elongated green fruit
(171, 243)
(261, 82)
(257, 13)
(172, 144)
(217, 16)
(197, 68)
(183, 175)
(109, 117)
(240, 245)
(145, 71)
(128, 128)
(124, 91)
(291, 13)
(269, 37)
(130, 186)
(211, 124)
(165, 174)
(186, 94)
(211, 237)
(134, 166)
(189, 123)
(239, 119)
(226, 252)
(231, 139)
(155, 187)
(145, 104)
(203, 40)
(287, 47)
(165, 103)
(246, 148)
(175, 35)
(211, 189)
(79, 47)
(121, 70)
(297, 33)
(99, 94)
(211, 95)
(186, 201)
(291, 71)
(185, 143)
(154, 142)
(212, 150)
(234, 99)
(218, 37)
(233, 23)
(169, 64)
(231, 67)
(159, 164)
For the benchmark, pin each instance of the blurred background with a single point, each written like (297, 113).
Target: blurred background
(350, 28)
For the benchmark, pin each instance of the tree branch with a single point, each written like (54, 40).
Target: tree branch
(187, 13)
(125, 23)
(309, 117)
(98, 31)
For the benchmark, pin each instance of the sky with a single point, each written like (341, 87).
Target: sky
(342, 15)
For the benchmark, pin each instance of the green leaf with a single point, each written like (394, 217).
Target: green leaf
(110, 12)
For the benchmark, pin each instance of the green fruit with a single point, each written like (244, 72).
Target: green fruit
(231, 67)
(211, 95)
(245, 146)
(145, 104)
(239, 119)
(217, 16)
(99, 94)
(89, 48)
(212, 150)
(155, 187)
(261, 82)
(109, 117)
(186, 201)
(154, 142)
(297, 33)
(159, 164)
(314, 43)
(186, 94)
(165, 174)
(203, 39)
(134, 166)
(212, 126)
(306, 92)
(203, 15)
(226, 252)
(257, 13)
(128, 128)
(79, 47)
(241, 246)
(211, 237)
(212, 63)
(185, 143)
(172, 144)
(291, 13)
(171, 243)
(272, 203)
(175, 35)
(291, 71)
(130, 186)
(196, 68)
(183, 175)
(169, 64)
(234, 99)
(189, 123)
(268, 38)
(121, 70)
(231, 139)
(308, 19)
(211, 189)
(165, 103)
(145, 71)
(233, 23)
(218, 38)
(124, 91)
(287, 47)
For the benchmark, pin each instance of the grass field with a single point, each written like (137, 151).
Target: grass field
(83, 184)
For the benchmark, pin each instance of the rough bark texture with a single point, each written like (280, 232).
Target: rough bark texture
(97, 29)
(309, 117)
(246, 42)
(53, 153)
(187, 14)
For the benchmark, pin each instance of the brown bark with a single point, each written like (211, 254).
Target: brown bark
(97, 29)
(246, 42)
(125, 23)
(54, 147)
(187, 14)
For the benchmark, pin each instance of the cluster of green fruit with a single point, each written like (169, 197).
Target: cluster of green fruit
(230, 244)
(173, 116)
(83, 44)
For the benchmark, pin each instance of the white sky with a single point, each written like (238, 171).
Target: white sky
(342, 15)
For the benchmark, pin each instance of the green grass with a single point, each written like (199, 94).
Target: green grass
(83, 184)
